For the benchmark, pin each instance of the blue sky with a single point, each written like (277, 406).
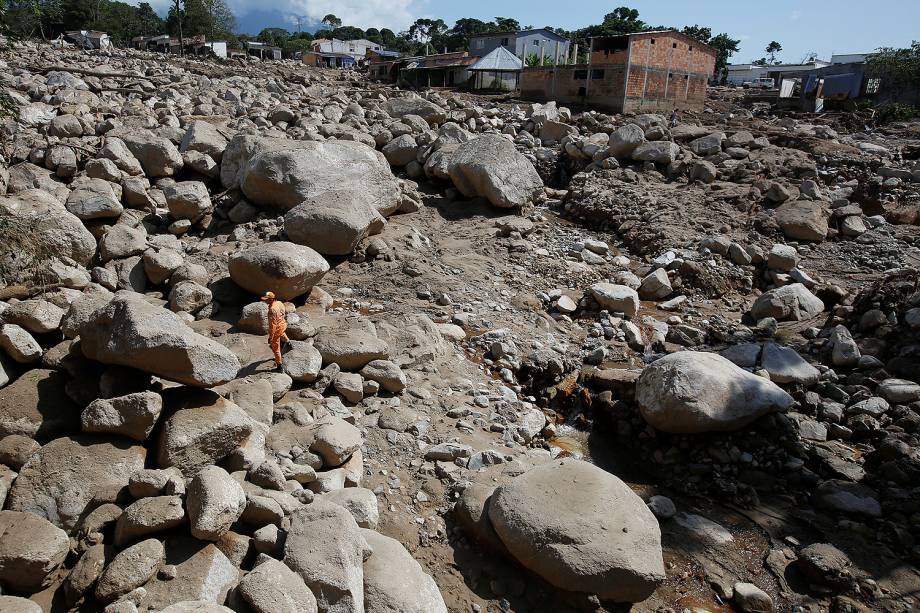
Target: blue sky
(845, 26)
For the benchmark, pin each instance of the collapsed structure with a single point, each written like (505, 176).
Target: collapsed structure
(645, 72)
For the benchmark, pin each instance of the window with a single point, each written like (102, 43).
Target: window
(673, 45)
(536, 43)
(653, 41)
(873, 85)
(580, 75)
(504, 42)
(597, 74)
(690, 48)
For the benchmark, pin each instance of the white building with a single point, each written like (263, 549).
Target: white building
(738, 74)
(355, 48)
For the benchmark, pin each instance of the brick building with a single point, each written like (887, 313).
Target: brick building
(644, 72)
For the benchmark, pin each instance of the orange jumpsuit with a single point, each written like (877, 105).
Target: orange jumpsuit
(277, 324)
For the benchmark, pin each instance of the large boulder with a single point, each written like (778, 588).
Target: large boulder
(351, 343)
(793, 301)
(414, 105)
(332, 222)
(489, 166)
(710, 144)
(132, 415)
(394, 581)
(157, 155)
(71, 476)
(129, 331)
(804, 220)
(130, 569)
(43, 229)
(659, 152)
(31, 548)
(331, 566)
(36, 405)
(272, 587)
(202, 429)
(214, 500)
(282, 178)
(624, 140)
(202, 573)
(205, 138)
(690, 392)
(616, 298)
(581, 529)
(287, 269)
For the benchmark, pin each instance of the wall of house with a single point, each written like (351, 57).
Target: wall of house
(524, 45)
(667, 72)
(571, 85)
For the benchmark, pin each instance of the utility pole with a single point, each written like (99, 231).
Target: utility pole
(299, 19)
(176, 5)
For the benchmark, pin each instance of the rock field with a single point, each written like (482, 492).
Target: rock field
(540, 360)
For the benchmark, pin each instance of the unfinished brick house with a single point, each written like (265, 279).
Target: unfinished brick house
(644, 72)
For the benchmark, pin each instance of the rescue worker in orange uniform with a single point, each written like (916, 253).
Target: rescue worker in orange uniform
(277, 324)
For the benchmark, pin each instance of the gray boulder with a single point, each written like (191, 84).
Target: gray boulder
(214, 500)
(624, 140)
(130, 569)
(659, 152)
(616, 298)
(489, 166)
(331, 566)
(272, 587)
(71, 476)
(31, 549)
(129, 331)
(690, 392)
(287, 269)
(803, 220)
(202, 429)
(38, 214)
(157, 155)
(133, 415)
(204, 137)
(282, 178)
(710, 144)
(794, 302)
(331, 223)
(394, 581)
(415, 105)
(581, 529)
(187, 200)
(350, 343)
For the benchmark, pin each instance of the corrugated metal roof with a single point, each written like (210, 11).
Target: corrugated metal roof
(499, 59)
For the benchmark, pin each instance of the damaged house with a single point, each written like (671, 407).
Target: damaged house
(655, 71)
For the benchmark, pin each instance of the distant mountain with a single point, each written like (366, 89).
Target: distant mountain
(254, 22)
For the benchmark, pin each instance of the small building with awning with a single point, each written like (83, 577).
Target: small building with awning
(498, 70)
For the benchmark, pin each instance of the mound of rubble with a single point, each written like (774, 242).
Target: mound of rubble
(536, 361)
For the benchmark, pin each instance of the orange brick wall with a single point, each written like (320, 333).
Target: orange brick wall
(671, 72)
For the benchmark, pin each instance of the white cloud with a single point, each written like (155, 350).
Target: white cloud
(393, 14)
(795, 15)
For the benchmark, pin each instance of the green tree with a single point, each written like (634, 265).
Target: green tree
(898, 72)
(347, 33)
(507, 24)
(374, 35)
(772, 49)
(332, 21)
(424, 29)
(623, 20)
(276, 37)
